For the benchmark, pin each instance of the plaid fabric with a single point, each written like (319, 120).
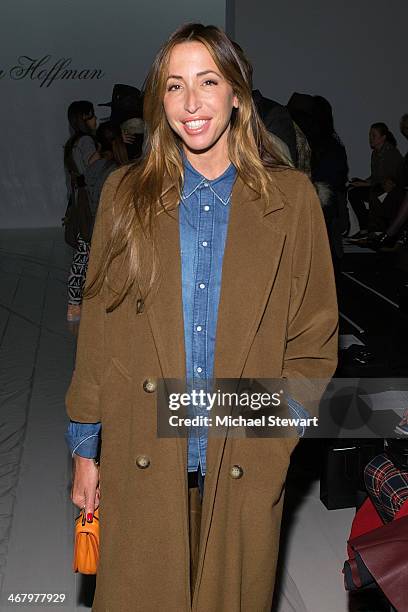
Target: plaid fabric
(386, 485)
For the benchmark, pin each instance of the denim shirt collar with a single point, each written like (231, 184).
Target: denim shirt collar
(221, 186)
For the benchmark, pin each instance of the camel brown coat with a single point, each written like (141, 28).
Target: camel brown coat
(277, 318)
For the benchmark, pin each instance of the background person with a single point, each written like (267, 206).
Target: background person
(329, 173)
(386, 173)
(127, 113)
(110, 155)
(79, 153)
(400, 217)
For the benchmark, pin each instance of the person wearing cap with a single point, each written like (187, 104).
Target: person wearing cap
(127, 113)
(210, 259)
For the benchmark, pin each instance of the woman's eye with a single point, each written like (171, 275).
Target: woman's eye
(173, 87)
(210, 82)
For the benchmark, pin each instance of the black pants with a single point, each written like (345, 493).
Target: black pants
(358, 196)
(383, 213)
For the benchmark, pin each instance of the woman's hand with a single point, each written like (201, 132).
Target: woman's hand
(128, 138)
(85, 491)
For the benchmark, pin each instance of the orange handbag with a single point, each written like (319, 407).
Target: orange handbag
(86, 545)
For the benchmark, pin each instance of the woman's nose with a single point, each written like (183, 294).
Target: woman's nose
(192, 101)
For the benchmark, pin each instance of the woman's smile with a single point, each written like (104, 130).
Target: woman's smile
(196, 126)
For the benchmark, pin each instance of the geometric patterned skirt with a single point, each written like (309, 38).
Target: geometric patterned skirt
(77, 273)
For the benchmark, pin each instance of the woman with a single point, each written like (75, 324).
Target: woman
(110, 155)
(159, 308)
(400, 217)
(386, 177)
(79, 153)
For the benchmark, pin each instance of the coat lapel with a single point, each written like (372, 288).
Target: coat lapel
(165, 311)
(251, 260)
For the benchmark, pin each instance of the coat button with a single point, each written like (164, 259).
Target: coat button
(236, 472)
(142, 462)
(149, 385)
(139, 306)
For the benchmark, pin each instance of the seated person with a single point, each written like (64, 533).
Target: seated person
(386, 170)
(386, 485)
(385, 481)
(384, 210)
(395, 226)
(398, 222)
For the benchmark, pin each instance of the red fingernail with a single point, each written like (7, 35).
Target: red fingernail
(89, 517)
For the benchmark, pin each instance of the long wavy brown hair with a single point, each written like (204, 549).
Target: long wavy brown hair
(155, 183)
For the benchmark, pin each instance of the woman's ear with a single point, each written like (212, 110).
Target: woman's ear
(235, 102)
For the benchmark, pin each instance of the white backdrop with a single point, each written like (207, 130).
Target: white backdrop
(353, 53)
(119, 39)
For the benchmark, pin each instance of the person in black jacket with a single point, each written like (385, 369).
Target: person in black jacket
(275, 116)
(277, 120)
(328, 164)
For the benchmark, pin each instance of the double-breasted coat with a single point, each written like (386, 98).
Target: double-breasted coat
(277, 318)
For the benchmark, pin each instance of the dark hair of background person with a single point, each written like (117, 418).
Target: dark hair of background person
(109, 137)
(77, 110)
(324, 112)
(382, 128)
(322, 131)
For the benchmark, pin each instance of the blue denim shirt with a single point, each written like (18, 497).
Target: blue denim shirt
(203, 219)
(204, 214)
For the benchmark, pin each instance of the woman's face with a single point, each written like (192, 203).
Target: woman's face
(198, 101)
(376, 139)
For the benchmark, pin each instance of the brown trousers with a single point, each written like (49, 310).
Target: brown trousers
(194, 500)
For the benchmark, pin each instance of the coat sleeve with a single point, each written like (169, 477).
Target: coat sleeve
(82, 399)
(310, 357)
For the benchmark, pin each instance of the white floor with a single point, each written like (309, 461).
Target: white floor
(314, 550)
(36, 516)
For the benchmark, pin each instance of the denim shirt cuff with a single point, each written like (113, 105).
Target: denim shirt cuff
(83, 439)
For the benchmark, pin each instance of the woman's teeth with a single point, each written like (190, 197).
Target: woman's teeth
(195, 125)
